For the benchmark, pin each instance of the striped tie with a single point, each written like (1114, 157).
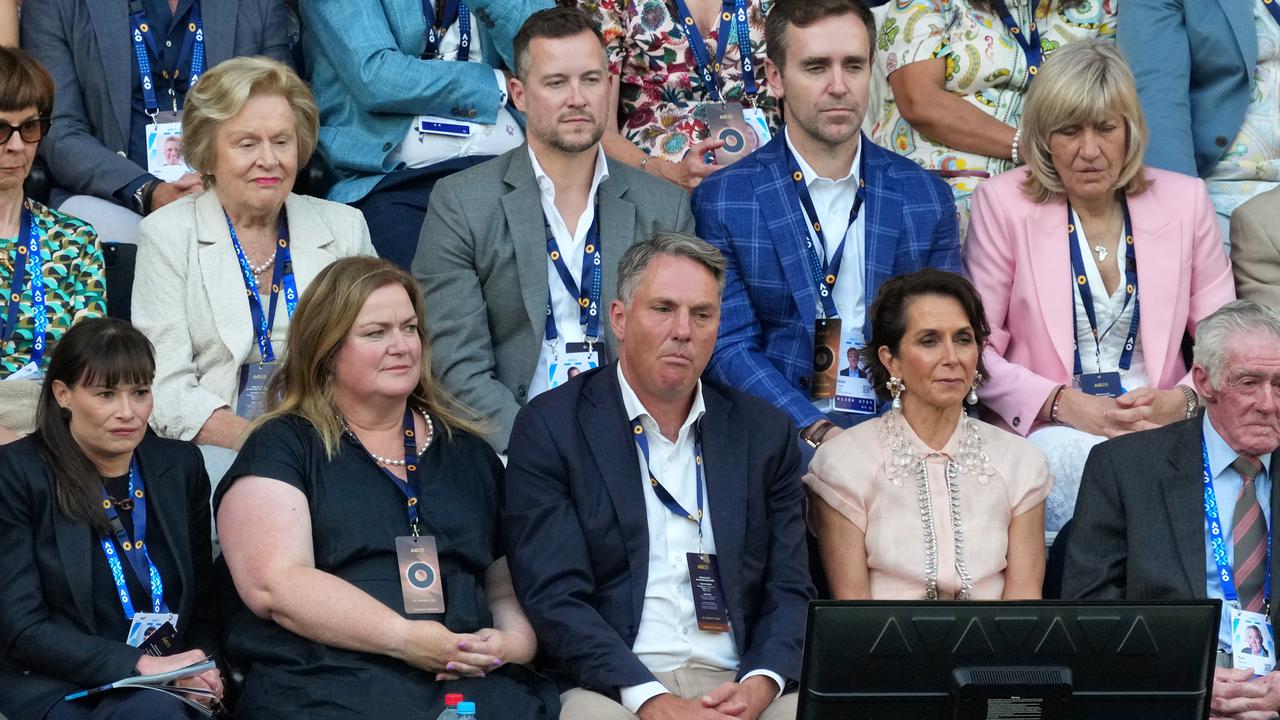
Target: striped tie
(1249, 537)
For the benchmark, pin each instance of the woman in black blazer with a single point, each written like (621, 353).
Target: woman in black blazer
(63, 618)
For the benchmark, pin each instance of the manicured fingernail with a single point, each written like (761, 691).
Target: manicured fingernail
(462, 645)
(497, 662)
(448, 666)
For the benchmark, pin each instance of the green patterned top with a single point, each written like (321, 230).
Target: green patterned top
(74, 284)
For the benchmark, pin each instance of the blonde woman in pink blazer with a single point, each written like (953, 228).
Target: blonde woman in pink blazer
(1053, 247)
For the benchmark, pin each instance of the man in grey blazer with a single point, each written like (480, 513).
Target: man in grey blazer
(1141, 529)
(1255, 248)
(517, 257)
(96, 147)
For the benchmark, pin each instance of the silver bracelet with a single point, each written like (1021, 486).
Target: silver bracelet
(1013, 150)
(1193, 400)
(645, 161)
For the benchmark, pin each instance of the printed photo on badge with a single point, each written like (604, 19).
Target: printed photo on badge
(164, 151)
(1252, 644)
(854, 393)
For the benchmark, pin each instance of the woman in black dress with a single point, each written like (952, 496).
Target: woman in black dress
(362, 455)
(69, 611)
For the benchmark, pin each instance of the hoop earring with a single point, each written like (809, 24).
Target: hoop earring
(896, 387)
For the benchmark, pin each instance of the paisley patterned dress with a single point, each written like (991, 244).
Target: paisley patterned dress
(661, 96)
(985, 66)
(73, 284)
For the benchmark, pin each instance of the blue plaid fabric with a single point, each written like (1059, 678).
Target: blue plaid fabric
(749, 211)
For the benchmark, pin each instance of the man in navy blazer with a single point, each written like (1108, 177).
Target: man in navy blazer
(813, 222)
(631, 478)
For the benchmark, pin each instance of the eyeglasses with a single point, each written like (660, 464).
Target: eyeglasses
(31, 131)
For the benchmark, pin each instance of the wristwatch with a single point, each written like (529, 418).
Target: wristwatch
(142, 197)
(815, 433)
(1193, 400)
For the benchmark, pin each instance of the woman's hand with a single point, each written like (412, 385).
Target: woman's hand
(691, 170)
(1166, 405)
(1105, 416)
(208, 680)
(493, 643)
(430, 646)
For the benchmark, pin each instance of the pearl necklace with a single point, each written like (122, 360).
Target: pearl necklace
(392, 462)
(259, 269)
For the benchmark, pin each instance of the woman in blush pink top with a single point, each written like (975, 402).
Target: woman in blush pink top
(926, 502)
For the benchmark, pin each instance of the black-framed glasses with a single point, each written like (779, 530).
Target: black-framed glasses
(31, 131)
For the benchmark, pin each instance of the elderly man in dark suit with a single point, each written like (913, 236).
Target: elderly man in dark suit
(521, 250)
(97, 144)
(654, 521)
(1150, 501)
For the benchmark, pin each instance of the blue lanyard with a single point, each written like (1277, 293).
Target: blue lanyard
(826, 274)
(1086, 295)
(145, 46)
(1030, 43)
(1218, 543)
(27, 260)
(1272, 8)
(281, 279)
(637, 431)
(588, 296)
(409, 486)
(454, 11)
(135, 550)
(709, 71)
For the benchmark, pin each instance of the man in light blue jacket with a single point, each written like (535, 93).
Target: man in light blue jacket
(410, 91)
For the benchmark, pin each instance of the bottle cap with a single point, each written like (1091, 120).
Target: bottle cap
(466, 708)
(452, 699)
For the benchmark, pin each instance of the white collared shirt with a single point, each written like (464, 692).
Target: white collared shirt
(1114, 317)
(833, 201)
(563, 306)
(419, 150)
(668, 634)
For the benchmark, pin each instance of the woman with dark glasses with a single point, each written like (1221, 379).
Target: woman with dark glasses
(50, 263)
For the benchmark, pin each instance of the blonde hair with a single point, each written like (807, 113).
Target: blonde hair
(303, 385)
(222, 93)
(1078, 85)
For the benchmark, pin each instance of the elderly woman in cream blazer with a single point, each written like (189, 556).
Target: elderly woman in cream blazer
(247, 127)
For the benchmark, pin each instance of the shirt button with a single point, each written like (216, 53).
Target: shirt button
(168, 43)
(121, 153)
(386, 147)
(685, 631)
(1221, 141)
(1017, 421)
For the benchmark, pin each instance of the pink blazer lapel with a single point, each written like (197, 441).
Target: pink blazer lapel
(1159, 247)
(1046, 235)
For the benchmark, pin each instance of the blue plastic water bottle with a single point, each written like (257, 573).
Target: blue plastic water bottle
(466, 710)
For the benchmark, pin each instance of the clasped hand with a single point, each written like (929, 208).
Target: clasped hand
(731, 701)
(1238, 695)
(432, 647)
(210, 680)
(1140, 409)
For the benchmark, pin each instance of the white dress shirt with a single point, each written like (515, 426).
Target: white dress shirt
(564, 307)
(1114, 317)
(668, 634)
(419, 150)
(833, 201)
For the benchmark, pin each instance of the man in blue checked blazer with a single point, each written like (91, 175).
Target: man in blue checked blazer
(813, 222)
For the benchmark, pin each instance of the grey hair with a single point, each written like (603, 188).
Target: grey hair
(637, 258)
(1237, 319)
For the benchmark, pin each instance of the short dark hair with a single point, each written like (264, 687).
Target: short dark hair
(803, 13)
(556, 22)
(24, 83)
(889, 316)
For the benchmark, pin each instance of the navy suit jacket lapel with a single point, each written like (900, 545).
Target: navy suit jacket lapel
(604, 424)
(1184, 499)
(74, 549)
(726, 472)
(786, 225)
(883, 209)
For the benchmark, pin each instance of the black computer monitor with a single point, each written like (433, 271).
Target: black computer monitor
(1039, 660)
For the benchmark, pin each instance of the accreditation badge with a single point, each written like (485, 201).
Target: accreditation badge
(251, 400)
(578, 358)
(420, 580)
(759, 124)
(146, 624)
(708, 593)
(826, 342)
(30, 372)
(1253, 644)
(1105, 384)
(164, 147)
(727, 123)
(854, 393)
